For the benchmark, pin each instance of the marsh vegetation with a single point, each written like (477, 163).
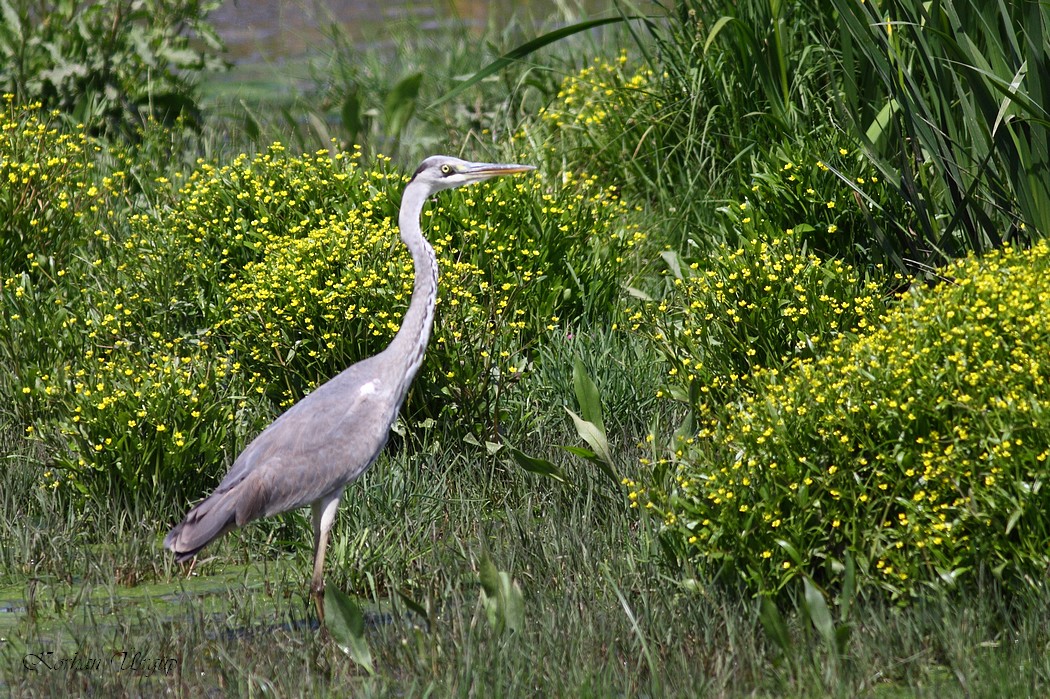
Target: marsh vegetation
(744, 392)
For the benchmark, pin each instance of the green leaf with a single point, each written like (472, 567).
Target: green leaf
(346, 623)
(674, 264)
(1012, 522)
(596, 440)
(593, 435)
(713, 34)
(524, 50)
(180, 57)
(581, 452)
(414, 606)
(400, 103)
(501, 597)
(587, 395)
(11, 17)
(589, 455)
(540, 467)
(352, 115)
(249, 122)
(819, 614)
(489, 575)
(320, 129)
(791, 551)
(881, 123)
(637, 294)
(849, 588)
(773, 623)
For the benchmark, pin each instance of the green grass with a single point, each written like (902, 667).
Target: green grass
(604, 615)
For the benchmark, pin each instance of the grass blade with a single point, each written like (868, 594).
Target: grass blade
(524, 50)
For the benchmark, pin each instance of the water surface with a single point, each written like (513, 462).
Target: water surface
(271, 30)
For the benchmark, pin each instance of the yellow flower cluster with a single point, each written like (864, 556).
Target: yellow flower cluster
(584, 99)
(761, 304)
(919, 448)
(50, 190)
(828, 201)
(137, 415)
(270, 274)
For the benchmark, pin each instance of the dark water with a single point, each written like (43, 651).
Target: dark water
(264, 31)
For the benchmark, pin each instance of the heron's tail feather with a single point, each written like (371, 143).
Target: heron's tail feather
(210, 519)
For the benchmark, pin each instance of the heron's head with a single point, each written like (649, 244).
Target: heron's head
(440, 172)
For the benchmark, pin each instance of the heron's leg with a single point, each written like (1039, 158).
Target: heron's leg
(323, 518)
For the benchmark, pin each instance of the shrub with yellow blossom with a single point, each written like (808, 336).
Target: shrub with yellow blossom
(270, 274)
(918, 449)
(585, 99)
(61, 195)
(296, 262)
(51, 192)
(600, 121)
(145, 420)
(760, 304)
(836, 202)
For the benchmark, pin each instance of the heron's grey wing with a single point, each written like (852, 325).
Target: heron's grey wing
(319, 445)
(314, 449)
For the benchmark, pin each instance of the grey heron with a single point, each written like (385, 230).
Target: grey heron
(311, 452)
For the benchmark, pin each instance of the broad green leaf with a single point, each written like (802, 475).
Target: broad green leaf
(514, 603)
(346, 623)
(819, 614)
(352, 114)
(489, 575)
(12, 19)
(1012, 521)
(637, 294)
(502, 598)
(849, 588)
(183, 58)
(713, 34)
(400, 103)
(587, 395)
(673, 263)
(581, 452)
(595, 437)
(597, 441)
(589, 455)
(414, 606)
(773, 623)
(249, 122)
(881, 122)
(320, 127)
(540, 467)
(791, 550)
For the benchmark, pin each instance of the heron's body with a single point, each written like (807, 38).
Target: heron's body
(342, 423)
(309, 454)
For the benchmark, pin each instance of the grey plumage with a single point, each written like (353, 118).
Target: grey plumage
(310, 453)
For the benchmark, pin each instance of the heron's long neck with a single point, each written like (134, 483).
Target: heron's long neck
(411, 340)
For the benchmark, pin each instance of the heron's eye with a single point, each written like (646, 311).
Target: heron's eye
(446, 169)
